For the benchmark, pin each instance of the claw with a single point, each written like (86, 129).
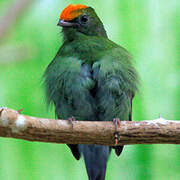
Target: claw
(71, 119)
(116, 141)
(116, 122)
(116, 137)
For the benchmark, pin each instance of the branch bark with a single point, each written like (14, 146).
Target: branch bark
(159, 131)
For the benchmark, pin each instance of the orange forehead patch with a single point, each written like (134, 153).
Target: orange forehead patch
(72, 11)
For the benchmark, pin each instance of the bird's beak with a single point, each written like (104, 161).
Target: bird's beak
(63, 23)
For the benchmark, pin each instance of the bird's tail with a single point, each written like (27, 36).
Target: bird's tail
(95, 157)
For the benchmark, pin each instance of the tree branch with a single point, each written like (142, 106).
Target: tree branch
(159, 131)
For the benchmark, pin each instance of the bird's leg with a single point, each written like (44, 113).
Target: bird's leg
(71, 119)
(116, 122)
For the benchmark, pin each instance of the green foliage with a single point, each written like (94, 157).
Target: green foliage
(150, 30)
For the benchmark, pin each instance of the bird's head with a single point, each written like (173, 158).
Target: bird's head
(82, 19)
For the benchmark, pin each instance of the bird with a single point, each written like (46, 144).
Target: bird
(91, 78)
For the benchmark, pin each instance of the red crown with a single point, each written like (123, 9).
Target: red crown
(72, 11)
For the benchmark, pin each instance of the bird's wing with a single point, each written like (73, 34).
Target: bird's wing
(117, 80)
(68, 83)
(117, 83)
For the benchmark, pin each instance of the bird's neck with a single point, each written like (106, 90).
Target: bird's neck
(70, 34)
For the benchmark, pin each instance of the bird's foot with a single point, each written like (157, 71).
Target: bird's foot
(116, 122)
(19, 111)
(71, 120)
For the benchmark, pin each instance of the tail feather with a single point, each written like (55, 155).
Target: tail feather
(95, 157)
(118, 150)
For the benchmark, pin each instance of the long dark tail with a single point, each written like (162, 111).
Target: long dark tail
(95, 157)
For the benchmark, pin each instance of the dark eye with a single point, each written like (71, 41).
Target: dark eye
(84, 19)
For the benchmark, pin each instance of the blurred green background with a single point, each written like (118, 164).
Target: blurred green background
(149, 29)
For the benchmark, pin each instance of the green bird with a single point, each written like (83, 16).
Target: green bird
(91, 78)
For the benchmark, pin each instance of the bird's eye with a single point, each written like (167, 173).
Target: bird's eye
(84, 19)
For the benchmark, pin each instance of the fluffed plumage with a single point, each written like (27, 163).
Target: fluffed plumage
(91, 78)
